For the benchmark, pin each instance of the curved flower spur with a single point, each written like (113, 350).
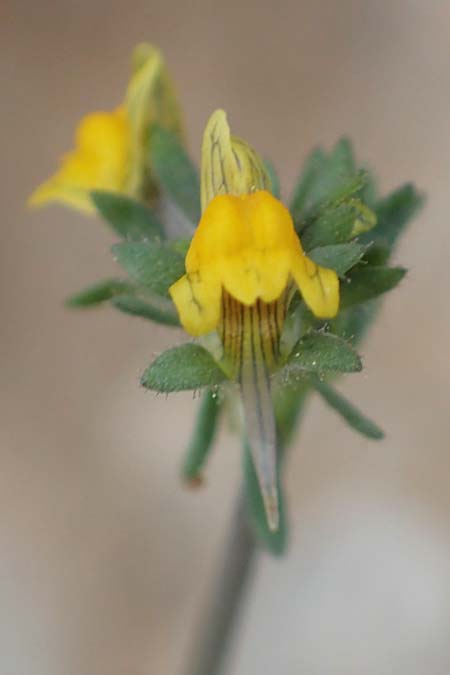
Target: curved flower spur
(242, 267)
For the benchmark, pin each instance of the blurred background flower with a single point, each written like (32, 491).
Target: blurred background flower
(111, 148)
(93, 520)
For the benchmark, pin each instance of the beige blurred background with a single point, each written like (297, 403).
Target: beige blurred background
(105, 561)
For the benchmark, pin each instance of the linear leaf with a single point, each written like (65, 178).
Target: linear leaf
(158, 309)
(354, 418)
(395, 211)
(176, 173)
(337, 224)
(129, 218)
(203, 436)
(99, 292)
(366, 283)
(326, 179)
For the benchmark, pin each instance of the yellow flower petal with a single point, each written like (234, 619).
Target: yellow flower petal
(150, 99)
(319, 286)
(248, 246)
(197, 298)
(111, 150)
(229, 164)
(98, 162)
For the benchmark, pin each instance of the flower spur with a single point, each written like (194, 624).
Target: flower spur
(242, 268)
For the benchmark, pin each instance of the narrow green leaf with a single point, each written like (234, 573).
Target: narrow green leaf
(395, 211)
(347, 410)
(339, 257)
(377, 255)
(99, 292)
(337, 224)
(333, 226)
(326, 179)
(158, 309)
(176, 173)
(189, 366)
(154, 265)
(365, 283)
(274, 179)
(320, 353)
(342, 156)
(309, 175)
(203, 436)
(129, 218)
(344, 188)
(275, 542)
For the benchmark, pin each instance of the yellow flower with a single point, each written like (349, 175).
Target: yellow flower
(246, 246)
(243, 263)
(111, 147)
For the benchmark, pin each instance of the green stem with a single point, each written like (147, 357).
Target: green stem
(216, 629)
(215, 632)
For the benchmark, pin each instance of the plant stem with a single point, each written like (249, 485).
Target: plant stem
(211, 646)
(215, 631)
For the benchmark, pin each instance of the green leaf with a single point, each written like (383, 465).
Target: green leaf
(326, 179)
(395, 211)
(345, 188)
(308, 178)
(376, 255)
(339, 257)
(337, 224)
(99, 292)
(347, 410)
(202, 437)
(274, 179)
(275, 542)
(189, 366)
(321, 352)
(157, 309)
(342, 156)
(128, 218)
(154, 265)
(352, 323)
(365, 283)
(175, 172)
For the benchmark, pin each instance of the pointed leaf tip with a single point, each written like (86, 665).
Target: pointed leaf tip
(366, 283)
(354, 417)
(99, 293)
